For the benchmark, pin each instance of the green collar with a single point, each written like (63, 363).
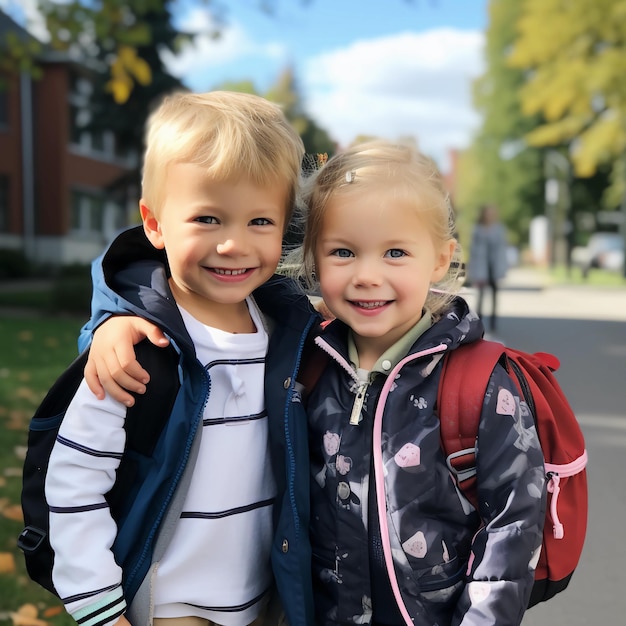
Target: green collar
(392, 356)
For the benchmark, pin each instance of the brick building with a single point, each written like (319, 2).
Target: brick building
(56, 202)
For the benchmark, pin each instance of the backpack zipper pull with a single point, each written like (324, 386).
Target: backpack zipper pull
(554, 488)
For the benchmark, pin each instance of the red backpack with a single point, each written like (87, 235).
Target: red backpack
(468, 368)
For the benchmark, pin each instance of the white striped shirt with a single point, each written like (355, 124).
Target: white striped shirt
(217, 563)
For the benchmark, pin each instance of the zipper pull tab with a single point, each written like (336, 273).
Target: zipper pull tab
(355, 416)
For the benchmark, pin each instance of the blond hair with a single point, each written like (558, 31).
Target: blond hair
(232, 135)
(404, 173)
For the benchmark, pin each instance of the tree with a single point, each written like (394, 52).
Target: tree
(499, 168)
(575, 80)
(126, 118)
(122, 108)
(286, 93)
(119, 34)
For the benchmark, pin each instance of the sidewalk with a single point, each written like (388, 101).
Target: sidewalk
(526, 278)
(530, 293)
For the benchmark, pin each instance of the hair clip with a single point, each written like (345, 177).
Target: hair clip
(350, 176)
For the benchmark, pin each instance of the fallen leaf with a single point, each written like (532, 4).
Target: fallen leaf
(20, 452)
(53, 611)
(18, 419)
(27, 616)
(28, 610)
(13, 512)
(24, 620)
(7, 563)
(25, 393)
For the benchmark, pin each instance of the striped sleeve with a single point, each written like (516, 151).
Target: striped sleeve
(81, 471)
(105, 611)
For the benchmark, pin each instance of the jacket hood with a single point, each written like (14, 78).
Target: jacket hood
(457, 326)
(134, 277)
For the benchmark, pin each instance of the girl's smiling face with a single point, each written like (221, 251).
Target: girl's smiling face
(376, 260)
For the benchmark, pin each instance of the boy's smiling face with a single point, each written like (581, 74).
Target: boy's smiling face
(222, 239)
(376, 260)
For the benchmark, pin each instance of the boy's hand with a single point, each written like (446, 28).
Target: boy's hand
(112, 366)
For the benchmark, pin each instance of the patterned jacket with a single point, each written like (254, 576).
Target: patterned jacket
(447, 563)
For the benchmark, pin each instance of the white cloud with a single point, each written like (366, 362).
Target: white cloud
(198, 59)
(411, 84)
(26, 13)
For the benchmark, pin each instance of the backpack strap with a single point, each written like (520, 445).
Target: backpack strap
(146, 419)
(460, 398)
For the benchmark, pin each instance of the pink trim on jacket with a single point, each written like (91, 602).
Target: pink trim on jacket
(380, 477)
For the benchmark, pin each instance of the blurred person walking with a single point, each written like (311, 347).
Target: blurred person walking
(488, 259)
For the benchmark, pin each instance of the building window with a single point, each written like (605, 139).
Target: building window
(75, 128)
(4, 204)
(93, 217)
(89, 141)
(4, 105)
(86, 213)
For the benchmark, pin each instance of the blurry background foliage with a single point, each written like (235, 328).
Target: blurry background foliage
(553, 82)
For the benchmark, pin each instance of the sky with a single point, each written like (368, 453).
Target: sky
(388, 68)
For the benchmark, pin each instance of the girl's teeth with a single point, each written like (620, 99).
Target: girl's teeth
(229, 272)
(370, 305)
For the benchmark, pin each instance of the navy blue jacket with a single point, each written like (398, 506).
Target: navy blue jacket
(130, 278)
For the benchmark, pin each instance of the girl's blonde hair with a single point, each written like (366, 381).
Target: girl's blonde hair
(404, 173)
(231, 135)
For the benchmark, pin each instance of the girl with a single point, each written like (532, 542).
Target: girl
(393, 539)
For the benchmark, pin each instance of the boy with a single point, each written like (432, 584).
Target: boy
(220, 177)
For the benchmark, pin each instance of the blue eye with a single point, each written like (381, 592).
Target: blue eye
(343, 253)
(261, 221)
(207, 219)
(395, 253)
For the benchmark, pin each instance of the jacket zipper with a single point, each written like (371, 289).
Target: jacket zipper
(355, 415)
(361, 385)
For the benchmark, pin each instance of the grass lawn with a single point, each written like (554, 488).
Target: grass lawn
(34, 352)
(596, 277)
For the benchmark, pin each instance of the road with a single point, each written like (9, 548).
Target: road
(586, 328)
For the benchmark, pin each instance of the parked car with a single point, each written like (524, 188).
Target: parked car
(603, 251)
